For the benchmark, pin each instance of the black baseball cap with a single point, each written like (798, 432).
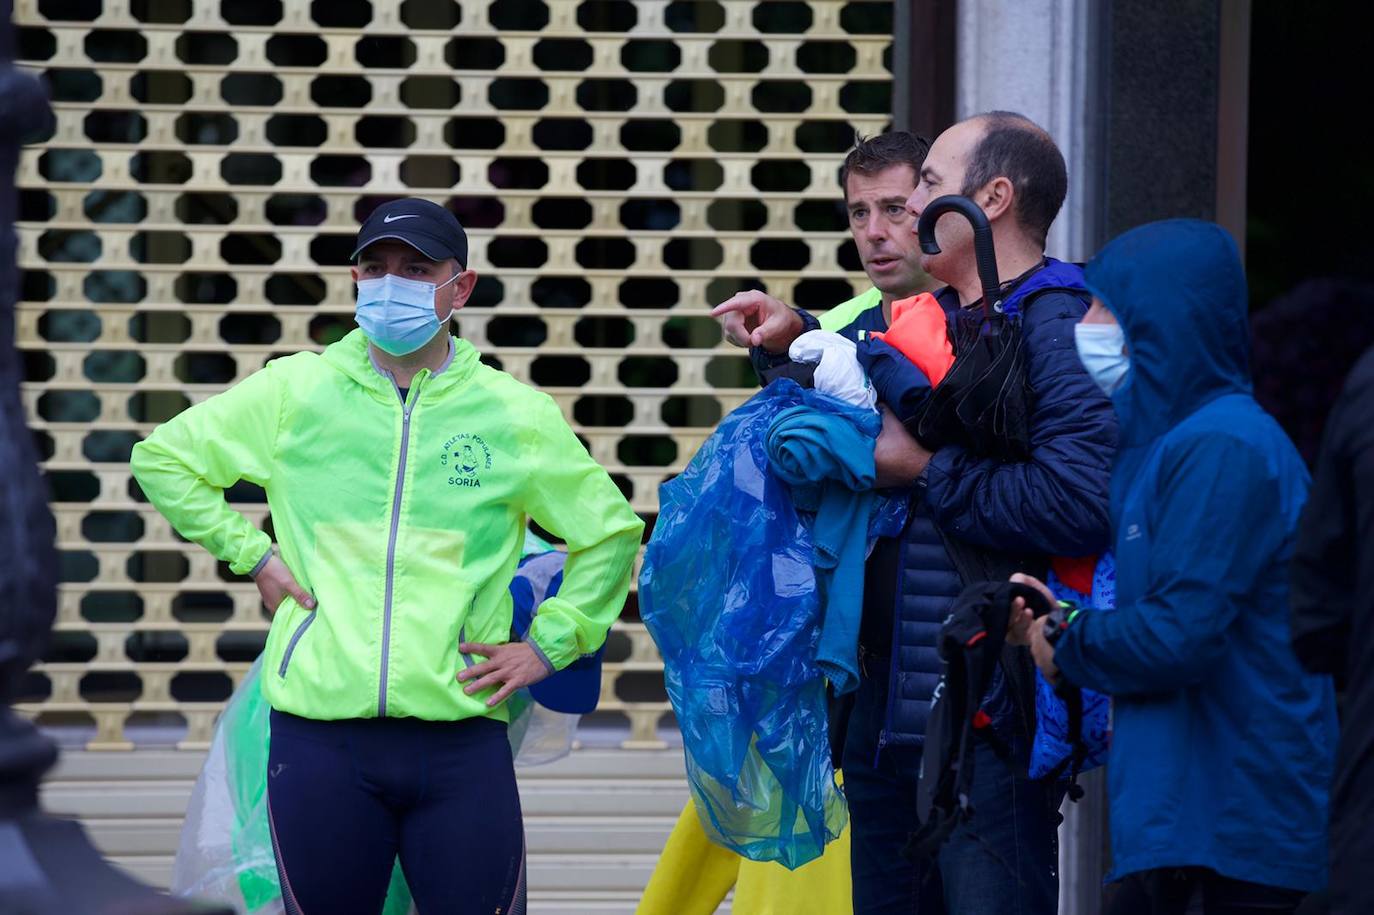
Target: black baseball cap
(425, 226)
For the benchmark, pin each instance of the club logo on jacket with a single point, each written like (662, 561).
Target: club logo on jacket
(465, 457)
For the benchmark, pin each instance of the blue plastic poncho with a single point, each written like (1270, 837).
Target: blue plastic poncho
(731, 594)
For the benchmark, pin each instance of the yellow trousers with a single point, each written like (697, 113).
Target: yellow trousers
(694, 874)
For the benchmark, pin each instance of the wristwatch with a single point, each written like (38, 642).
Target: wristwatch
(1059, 619)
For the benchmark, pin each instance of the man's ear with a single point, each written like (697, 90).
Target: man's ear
(997, 197)
(462, 288)
(354, 272)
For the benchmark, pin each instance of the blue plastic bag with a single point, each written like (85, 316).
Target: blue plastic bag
(730, 594)
(1051, 746)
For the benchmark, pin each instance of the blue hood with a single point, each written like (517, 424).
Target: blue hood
(1178, 290)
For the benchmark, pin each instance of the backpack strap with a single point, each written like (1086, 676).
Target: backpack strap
(1078, 292)
(1078, 748)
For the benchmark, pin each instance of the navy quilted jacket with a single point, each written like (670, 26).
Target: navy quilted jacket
(1055, 504)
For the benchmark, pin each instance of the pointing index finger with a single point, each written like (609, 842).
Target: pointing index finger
(740, 301)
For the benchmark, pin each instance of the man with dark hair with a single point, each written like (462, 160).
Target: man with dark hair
(877, 177)
(694, 875)
(971, 517)
(872, 155)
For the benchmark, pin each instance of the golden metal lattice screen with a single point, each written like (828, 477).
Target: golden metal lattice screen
(620, 167)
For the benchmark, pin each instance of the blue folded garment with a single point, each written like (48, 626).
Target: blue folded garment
(824, 450)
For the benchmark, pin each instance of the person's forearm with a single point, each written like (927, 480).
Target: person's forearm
(898, 459)
(900, 465)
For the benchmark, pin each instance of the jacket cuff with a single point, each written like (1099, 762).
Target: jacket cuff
(768, 365)
(539, 653)
(1068, 652)
(252, 555)
(266, 557)
(938, 468)
(553, 635)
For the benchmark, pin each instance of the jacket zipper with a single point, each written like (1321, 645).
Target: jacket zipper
(406, 409)
(463, 637)
(889, 707)
(291, 645)
(895, 653)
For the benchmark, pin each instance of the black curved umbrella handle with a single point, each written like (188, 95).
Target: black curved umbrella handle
(983, 250)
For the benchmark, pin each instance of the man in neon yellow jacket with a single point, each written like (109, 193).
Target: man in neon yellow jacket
(400, 473)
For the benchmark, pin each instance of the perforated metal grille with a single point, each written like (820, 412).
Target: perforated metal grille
(620, 166)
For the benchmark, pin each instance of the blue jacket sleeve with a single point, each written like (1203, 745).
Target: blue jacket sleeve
(1214, 534)
(897, 381)
(1056, 503)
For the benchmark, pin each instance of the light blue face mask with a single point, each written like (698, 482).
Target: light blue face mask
(1102, 349)
(397, 314)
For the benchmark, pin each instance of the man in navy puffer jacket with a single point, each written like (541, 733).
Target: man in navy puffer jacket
(971, 517)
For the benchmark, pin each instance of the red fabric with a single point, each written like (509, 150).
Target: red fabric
(1077, 573)
(919, 332)
(981, 719)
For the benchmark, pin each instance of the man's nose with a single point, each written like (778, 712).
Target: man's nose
(915, 203)
(875, 229)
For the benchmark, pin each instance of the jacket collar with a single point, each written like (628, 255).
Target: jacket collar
(353, 356)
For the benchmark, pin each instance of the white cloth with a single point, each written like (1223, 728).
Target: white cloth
(838, 372)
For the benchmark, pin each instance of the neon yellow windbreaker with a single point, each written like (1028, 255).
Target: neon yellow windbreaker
(404, 522)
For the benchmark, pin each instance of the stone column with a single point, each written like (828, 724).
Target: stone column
(1039, 58)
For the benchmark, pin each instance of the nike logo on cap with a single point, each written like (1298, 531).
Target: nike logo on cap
(394, 218)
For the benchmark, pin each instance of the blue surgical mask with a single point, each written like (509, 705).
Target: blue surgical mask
(1102, 349)
(397, 314)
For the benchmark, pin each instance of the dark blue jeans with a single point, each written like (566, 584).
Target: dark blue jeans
(1198, 891)
(1002, 862)
(347, 798)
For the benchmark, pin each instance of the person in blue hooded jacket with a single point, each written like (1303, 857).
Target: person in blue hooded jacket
(1222, 744)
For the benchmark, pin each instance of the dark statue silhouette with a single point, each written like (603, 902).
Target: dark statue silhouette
(47, 864)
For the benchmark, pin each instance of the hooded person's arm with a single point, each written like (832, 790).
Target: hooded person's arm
(1057, 502)
(185, 465)
(572, 497)
(1215, 530)
(1324, 561)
